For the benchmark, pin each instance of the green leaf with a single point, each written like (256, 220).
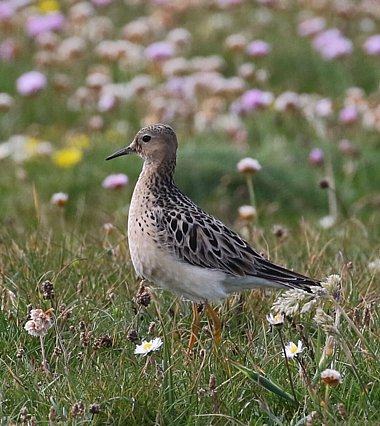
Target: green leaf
(264, 382)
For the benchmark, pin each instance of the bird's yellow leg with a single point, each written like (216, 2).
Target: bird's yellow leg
(217, 325)
(195, 327)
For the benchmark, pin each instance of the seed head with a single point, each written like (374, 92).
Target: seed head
(324, 184)
(47, 289)
(133, 336)
(20, 353)
(52, 414)
(212, 382)
(94, 408)
(152, 328)
(103, 342)
(143, 296)
(331, 377)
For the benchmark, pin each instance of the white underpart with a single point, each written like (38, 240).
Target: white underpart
(194, 283)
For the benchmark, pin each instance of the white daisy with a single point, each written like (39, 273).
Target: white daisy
(276, 319)
(291, 349)
(146, 347)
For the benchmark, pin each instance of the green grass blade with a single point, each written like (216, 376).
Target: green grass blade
(264, 382)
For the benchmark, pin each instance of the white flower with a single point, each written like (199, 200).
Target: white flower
(146, 347)
(276, 319)
(291, 349)
(248, 165)
(374, 265)
(59, 199)
(327, 222)
(247, 213)
(331, 377)
(39, 323)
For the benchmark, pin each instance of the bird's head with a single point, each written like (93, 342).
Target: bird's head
(156, 143)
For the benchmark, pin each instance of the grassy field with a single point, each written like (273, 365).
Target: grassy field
(318, 211)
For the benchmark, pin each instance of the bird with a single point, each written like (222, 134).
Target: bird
(177, 246)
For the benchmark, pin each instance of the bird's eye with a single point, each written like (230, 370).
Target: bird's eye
(146, 138)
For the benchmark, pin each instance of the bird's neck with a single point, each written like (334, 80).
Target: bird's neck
(159, 173)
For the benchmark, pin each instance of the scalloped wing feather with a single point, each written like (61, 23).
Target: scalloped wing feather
(197, 238)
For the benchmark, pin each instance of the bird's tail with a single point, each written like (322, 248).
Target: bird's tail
(270, 275)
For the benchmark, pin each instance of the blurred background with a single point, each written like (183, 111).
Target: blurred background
(292, 84)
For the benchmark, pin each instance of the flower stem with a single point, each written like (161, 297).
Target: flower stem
(251, 191)
(332, 196)
(45, 364)
(287, 367)
(307, 380)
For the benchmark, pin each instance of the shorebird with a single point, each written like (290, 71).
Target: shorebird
(179, 247)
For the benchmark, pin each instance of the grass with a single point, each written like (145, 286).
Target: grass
(96, 310)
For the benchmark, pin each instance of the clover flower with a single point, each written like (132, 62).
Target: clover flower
(316, 157)
(252, 100)
(348, 115)
(292, 350)
(59, 199)
(115, 181)
(258, 49)
(311, 27)
(331, 377)
(45, 23)
(31, 83)
(331, 44)
(147, 347)
(372, 45)
(247, 213)
(39, 323)
(248, 165)
(159, 51)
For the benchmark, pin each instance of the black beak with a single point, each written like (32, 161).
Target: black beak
(124, 151)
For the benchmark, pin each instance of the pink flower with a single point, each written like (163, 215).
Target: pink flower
(372, 45)
(101, 2)
(7, 10)
(8, 50)
(324, 107)
(311, 27)
(331, 44)
(31, 83)
(253, 100)
(159, 51)
(348, 115)
(258, 49)
(228, 4)
(248, 165)
(107, 102)
(39, 24)
(59, 199)
(347, 149)
(316, 157)
(115, 181)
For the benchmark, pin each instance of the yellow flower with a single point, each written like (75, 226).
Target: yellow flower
(31, 145)
(67, 157)
(48, 6)
(79, 140)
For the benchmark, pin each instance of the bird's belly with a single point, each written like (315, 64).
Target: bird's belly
(181, 278)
